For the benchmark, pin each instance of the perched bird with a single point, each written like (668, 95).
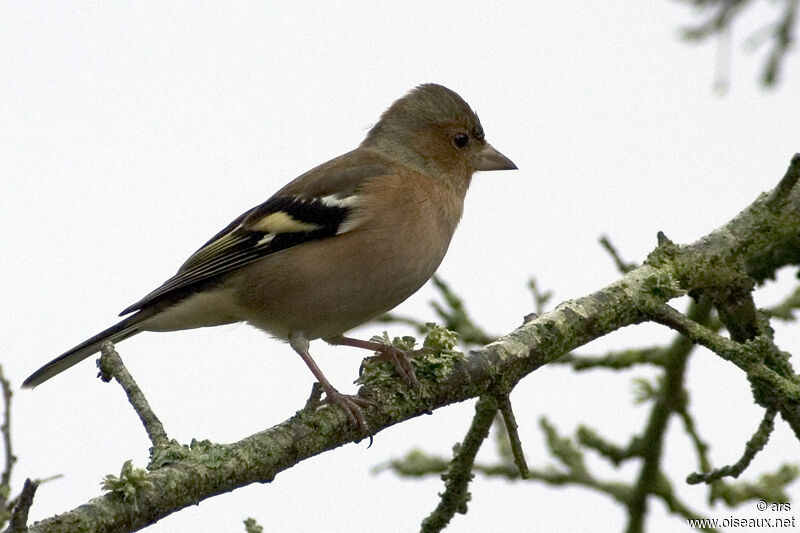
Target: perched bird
(339, 245)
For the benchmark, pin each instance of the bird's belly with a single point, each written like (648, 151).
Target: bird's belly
(324, 296)
(199, 310)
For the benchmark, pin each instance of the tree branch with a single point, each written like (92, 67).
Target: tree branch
(761, 239)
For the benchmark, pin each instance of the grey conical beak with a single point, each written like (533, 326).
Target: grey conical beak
(491, 159)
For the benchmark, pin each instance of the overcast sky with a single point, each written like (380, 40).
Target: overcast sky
(132, 132)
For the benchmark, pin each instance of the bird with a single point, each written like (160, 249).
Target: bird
(336, 247)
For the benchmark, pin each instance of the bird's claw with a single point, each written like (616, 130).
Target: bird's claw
(402, 363)
(353, 408)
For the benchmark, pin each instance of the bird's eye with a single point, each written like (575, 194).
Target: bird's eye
(461, 140)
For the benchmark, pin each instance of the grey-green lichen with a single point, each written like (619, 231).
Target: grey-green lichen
(433, 363)
(416, 463)
(251, 526)
(131, 484)
(770, 487)
(171, 453)
(662, 285)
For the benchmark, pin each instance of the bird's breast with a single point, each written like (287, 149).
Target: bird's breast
(324, 288)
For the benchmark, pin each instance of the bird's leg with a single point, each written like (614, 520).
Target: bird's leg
(399, 359)
(351, 405)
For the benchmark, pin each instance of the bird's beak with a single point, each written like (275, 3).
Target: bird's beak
(491, 159)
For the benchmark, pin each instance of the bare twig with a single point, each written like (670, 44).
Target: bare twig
(720, 23)
(700, 446)
(455, 496)
(19, 516)
(784, 36)
(623, 266)
(452, 313)
(513, 435)
(669, 399)
(780, 194)
(540, 299)
(753, 446)
(785, 309)
(619, 360)
(725, 348)
(111, 366)
(5, 481)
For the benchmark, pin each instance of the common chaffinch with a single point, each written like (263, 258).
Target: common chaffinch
(339, 245)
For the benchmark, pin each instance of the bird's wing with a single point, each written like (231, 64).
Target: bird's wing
(296, 214)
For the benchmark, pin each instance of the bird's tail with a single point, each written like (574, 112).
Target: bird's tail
(119, 331)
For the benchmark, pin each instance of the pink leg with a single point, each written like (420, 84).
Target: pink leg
(398, 358)
(351, 405)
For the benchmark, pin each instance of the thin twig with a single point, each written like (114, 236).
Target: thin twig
(622, 266)
(668, 400)
(725, 348)
(19, 516)
(513, 435)
(785, 309)
(315, 397)
(589, 438)
(719, 22)
(753, 446)
(783, 36)
(700, 446)
(619, 360)
(455, 496)
(111, 366)
(5, 481)
(452, 313)
(540, 299)
(780, 193)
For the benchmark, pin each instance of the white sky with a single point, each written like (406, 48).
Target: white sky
(132, 132)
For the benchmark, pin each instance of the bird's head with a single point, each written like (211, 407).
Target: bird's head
(433, 130)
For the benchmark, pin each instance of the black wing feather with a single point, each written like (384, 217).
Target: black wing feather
(241, 243)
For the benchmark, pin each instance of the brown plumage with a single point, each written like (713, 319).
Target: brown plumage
(334, 248)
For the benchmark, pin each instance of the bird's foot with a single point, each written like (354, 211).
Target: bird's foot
(401, 361)
(352, 405)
